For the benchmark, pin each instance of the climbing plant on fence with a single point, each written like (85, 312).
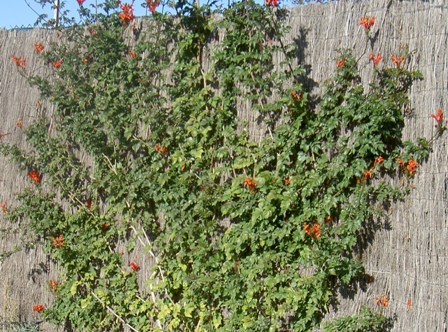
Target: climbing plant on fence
(146, 146)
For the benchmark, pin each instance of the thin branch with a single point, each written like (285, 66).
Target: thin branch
(113, 312)
(28, 4)
(153, 255)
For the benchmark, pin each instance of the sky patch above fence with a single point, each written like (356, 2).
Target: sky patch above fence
(24, 13)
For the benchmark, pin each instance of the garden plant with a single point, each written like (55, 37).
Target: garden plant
(147, 149)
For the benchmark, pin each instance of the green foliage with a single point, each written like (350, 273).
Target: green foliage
(243, 236)
(32, 326)
(366, 321)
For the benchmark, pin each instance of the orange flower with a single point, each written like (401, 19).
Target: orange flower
(378, 160)
(132, 54)
(57, 64)
(38, 47)
(53, 285)
(80, 2)
(88, 203)
(19, 61)
(367, 22)
(397, 61)
(438, 117)
(368, 174)
(382, 301)
(287, 181)
(163, 150)
(306, 228)
(58, 242)
(313, 231)
(152, 5)
(19, 123)
(38, 307)
(105, 227)
(411, 166)
(400, 162)
(35, 176)
(271, 3)
(134, 266)
(375, 58)
(296, 96)
(4, 207)
(249, 183)
(329, 219)
(127, 14)
(340, 63)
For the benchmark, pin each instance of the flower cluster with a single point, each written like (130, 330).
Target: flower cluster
(161, 149)
(58, 242)
(127, 14)
(411, 166)
(340, 63)
(271, 3)
(397, 60)
(57, 64)
(367, 22)
(368, 174)
(38, 47)
(53, 284)
(35, 176)
(382, 300)
(375, 58)
(134, 266)
(249, 183)
(19, 61)
(378, 160)
(313, 231)
(296, 96)
(152, 5)
(88, 203)
(38, 307)
(438, 116)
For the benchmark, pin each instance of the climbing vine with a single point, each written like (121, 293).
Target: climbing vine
(147, 148)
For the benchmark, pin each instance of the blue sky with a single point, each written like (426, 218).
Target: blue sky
(16, 13)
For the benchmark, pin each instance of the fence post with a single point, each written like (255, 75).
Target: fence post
(56, 13)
